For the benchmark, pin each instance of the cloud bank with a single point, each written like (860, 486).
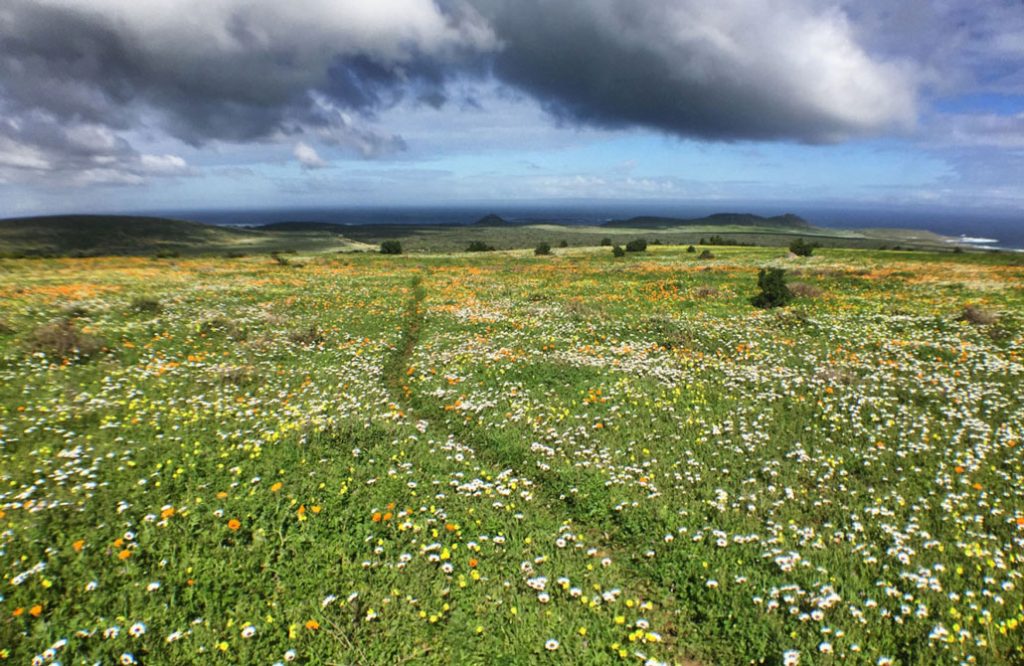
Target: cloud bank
(240, 71)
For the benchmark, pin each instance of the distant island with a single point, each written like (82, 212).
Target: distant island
(786, 221)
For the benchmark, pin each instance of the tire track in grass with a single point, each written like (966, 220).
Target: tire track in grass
(552, 487)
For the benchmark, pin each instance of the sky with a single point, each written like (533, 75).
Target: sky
(126, 105)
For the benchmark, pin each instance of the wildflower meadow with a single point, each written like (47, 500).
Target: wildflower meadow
(502, 458)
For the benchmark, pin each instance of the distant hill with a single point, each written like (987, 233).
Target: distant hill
(94, 235)
(491, 220)
(787, 221)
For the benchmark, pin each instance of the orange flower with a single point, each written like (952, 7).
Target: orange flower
(473, 562)
(312, 625)
(118, 542)
(958, 469)
(167, 513)
(35, 611)
(18, 611)
(1020, 522)
(222, 495)
(977, 486)
(451, 527)
(315, 508)
(78, 545)
(124, 554)
(387, 516)
(233, 525)
(376, 516)
(277, 486)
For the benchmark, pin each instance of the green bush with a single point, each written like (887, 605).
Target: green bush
(479, 246)
(691, 250)
(606, 242)
(542, 249)
(145, 305)
(774, 292)
(706, 254)
(802, 248)
(636, 245)
(564, 243)
(391, 247)
(617, 251)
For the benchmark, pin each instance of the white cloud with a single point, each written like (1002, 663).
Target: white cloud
(308, 157)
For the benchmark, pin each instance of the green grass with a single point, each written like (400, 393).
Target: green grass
(100, 235)
(96, 235)
(369, 459)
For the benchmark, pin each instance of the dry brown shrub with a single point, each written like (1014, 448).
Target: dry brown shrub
(804, 290)
(307, 336)
(74, 311)
(978, 316)
(707, 292)
(222, 325)
(62, 339)
(239, 375)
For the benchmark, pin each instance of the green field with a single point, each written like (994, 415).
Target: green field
(498, 458)
(104, 235)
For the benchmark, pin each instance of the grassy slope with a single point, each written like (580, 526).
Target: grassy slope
(114, 234)
(453, 239)
(118, 235)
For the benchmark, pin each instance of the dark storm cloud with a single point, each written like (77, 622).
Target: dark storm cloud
(724, 70)
(235, 71)
(265, 70)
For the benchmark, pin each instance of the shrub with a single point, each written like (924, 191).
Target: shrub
(706, 254)
(563, 243)
(542, 249)
(804, 290)
(706, 292)
(637, 245)
(479, 246)
(142, 304)
(774, 292)
(74, 311)
(802, 248)
(62, 339)
(281, 261)
(978, 316)
(691, 250)
(310, 335)
(221, 324)
(391, 247)
(168, 254)
(238, 375)
(617, 251)
(5, 328)
(606, 242)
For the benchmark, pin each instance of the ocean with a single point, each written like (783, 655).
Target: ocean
(1002, 230)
